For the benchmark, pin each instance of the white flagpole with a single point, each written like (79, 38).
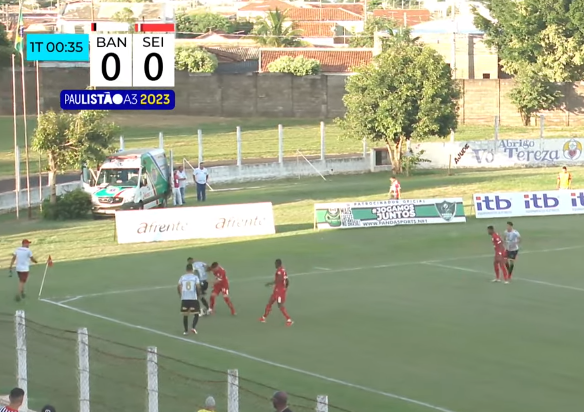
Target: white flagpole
(43, 281)
(26, 151)
(16, 151)
(38, 100)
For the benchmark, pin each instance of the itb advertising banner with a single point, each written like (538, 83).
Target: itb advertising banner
(206, 222)
(388, 213)
(548, 203)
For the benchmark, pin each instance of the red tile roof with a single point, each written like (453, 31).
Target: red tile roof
(316, 29)
(266, 6)
(331, 60)
(357, 8)
(411, 17)
(322, 14)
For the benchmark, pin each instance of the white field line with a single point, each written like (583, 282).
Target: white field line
(323, 269)
(253, 358)
(480, 272)
(320, 272)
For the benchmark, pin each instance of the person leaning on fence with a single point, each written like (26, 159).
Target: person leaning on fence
(16, 398)
(209, 405)
(564, 179)
(176, 195)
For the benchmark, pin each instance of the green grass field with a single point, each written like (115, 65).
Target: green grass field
(393, 319)
(259, 137)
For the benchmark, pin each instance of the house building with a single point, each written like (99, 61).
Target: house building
(77, 17)
(326, 26)
(257, 10)
(332, 61)
(462, 46)
(405, 17)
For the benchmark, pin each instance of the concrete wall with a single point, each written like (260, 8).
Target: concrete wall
(232, 174)
(8, 199)
(283, 95)
(289, 169)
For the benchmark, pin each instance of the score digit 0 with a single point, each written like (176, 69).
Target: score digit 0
(153, 60)
(131, 60)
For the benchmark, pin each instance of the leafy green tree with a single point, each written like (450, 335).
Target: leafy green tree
(275, 31)
(126, 15)
(536, 36)
(373, 25)
(70, 139)
(202, 23)
(6, 48)
(298, 66)
(406, 93)
(531, 95)
(195, 60)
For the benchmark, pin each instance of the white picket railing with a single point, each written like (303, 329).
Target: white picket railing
(83, 372)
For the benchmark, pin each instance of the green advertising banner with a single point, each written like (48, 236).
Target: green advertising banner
(388, 213)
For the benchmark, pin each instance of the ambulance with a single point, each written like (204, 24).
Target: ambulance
(130, 179)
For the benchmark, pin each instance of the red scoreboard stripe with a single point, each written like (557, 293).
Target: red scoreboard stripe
(154, 27)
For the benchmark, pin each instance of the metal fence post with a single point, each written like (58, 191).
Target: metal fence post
(21, 355)
(239, 155)
(152, 371)
(232, 390)
(322, 403)
(83, 369)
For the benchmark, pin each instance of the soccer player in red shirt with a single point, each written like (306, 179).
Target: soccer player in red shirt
(280, 284)
(221, 286)
(499, 262)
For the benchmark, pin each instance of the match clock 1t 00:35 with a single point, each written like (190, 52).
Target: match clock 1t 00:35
(131, 60)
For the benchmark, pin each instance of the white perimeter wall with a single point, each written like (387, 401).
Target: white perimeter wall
(480, 154)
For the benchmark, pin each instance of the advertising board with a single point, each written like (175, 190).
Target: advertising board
(206, 222)
(544, 203)
(388, 213)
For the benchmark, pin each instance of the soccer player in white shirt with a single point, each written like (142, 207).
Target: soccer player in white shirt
(189, 290)
(512, 240)
(201, 176)
(201, 270)
(22, 257)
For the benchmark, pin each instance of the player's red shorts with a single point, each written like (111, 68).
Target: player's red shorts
(221, 287)
(23, 276)
(278, 296)
(499, 256)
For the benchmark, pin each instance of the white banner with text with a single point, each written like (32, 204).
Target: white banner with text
(205, 222)
(502, 153)
(548, 203)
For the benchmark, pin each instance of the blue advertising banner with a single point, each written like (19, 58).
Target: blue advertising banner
(117, 100)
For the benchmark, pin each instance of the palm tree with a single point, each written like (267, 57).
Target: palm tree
(272, 31)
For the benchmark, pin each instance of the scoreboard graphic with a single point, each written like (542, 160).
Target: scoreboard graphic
(126, 62)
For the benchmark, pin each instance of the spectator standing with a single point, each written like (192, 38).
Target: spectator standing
(182, 179)
(280, 402)
(15, 398)
(209, 405)
(176, 195)
(22, 257)
(394, 188)
(201, 178)
(564, 179)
